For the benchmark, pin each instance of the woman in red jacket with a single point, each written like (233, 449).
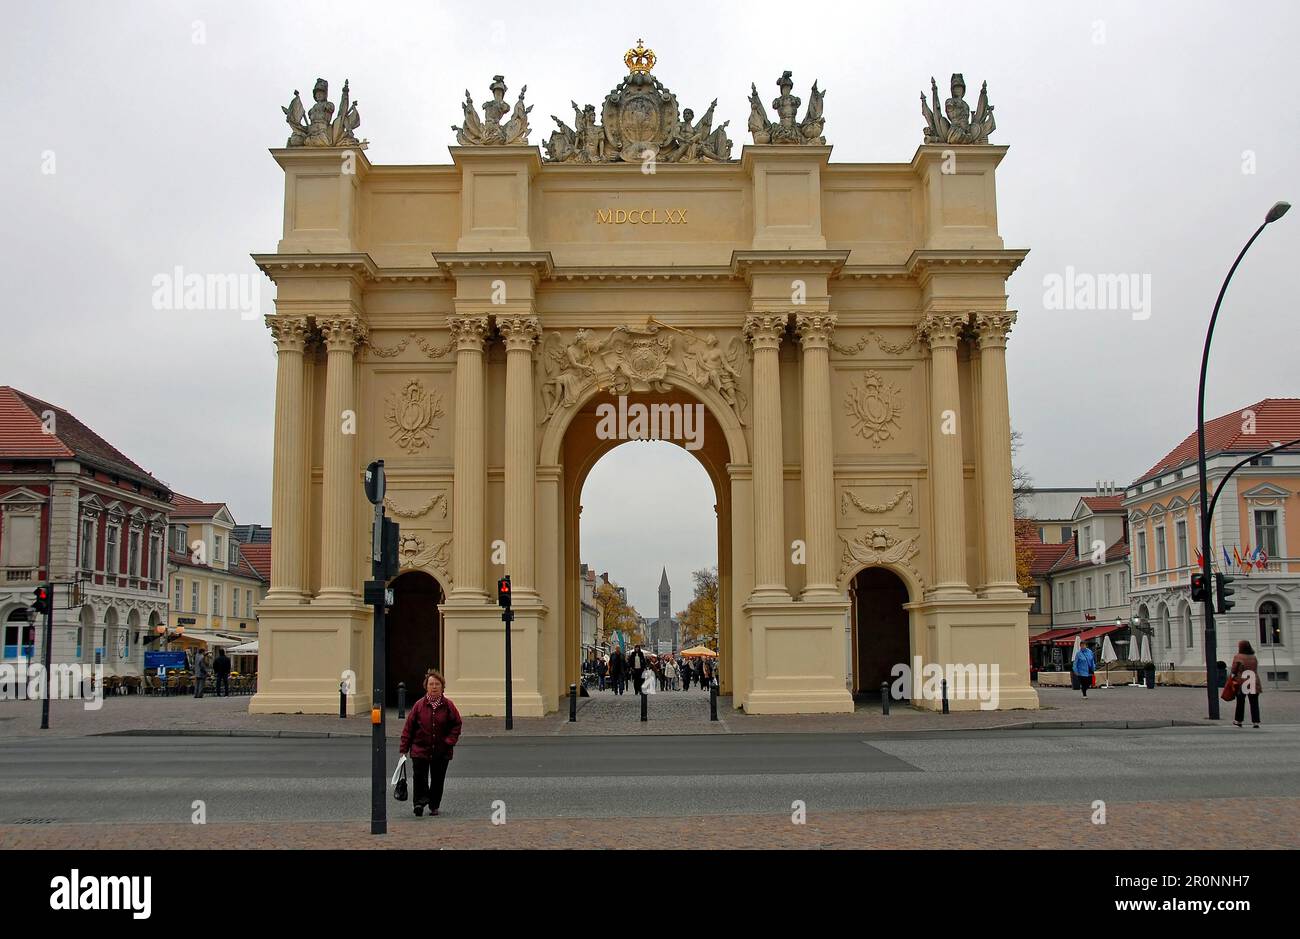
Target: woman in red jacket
(431, 731)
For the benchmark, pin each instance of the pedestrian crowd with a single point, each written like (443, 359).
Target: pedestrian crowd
(646, 673)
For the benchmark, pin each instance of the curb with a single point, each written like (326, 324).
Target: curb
(1024, 725)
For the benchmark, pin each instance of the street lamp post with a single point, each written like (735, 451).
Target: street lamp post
(1211, 675)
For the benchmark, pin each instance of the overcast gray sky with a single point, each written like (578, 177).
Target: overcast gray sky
(1146, 138)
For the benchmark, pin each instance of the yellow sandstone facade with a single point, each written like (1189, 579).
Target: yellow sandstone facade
(843, 326)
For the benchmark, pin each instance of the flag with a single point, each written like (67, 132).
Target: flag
(1263, 560)
(1227, 561)
(1236, 556)
(1200, 560)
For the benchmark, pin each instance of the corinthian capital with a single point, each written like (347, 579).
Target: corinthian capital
(942, 330)
(519, 332)
(468, 332)
(992, 329)
(814, 329)
(289, 332)
(342, 333)
(764, 330)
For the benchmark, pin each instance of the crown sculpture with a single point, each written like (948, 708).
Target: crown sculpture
(319, 127)
(954, 123)
(490, 131)
(785, 130)
(639, 122)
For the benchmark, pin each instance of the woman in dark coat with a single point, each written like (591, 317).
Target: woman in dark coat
(1245, 668)
(430, 735)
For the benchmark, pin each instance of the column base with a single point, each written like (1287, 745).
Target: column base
(1001, 590)
(797, 657)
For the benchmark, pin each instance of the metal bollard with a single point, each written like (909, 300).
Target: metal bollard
(573, 704)
(401, 700)
(944, 687)
(884, 698)
(643, 706)
(713, 701)
(343, 699)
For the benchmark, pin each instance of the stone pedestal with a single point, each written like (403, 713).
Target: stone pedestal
(975, 632)
(797, 658)
(475, 657)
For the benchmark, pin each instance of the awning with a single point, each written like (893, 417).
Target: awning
(210, 638)
(1066, 636)
(244, 648)
(1053, 635)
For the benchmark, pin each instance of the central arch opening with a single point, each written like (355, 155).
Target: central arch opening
(652, 508)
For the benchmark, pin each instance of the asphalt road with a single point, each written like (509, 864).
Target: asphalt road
(128, 779)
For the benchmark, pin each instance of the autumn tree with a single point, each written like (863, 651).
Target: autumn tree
(619, 615)
(699, 621)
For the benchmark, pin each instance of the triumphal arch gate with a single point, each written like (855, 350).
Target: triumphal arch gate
(843, 326)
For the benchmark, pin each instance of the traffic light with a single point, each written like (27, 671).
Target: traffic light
(1222, 591)
(503, 592)
(1199, 593)
(41, 603)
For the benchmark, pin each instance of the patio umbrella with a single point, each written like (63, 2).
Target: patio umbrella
(1107, 656)
(700, 651)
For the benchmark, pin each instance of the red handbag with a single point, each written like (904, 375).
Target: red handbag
(1230, 687)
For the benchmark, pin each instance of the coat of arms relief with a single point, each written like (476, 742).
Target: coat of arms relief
(631, 359)
(639, 122)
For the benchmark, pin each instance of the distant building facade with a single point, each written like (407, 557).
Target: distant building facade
(76, 511)
(1254, 534)
(213, 588)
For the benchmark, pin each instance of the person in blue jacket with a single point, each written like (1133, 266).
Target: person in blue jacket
(1085, 663)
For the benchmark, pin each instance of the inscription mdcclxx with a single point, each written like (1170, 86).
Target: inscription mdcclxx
(640, 217)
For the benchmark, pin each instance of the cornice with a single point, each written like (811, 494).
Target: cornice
(682, 275)
(828, 262)
(356, 266)
(537, 263)
(925, 262)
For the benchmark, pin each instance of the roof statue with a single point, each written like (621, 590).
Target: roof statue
(639, 122)
(787, 129)
(954, 123)
(490, 131)
(319, 127)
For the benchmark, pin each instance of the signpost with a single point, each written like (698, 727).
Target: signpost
(383, 565)
(507, 617)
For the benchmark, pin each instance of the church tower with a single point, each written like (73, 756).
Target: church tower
(664, 628)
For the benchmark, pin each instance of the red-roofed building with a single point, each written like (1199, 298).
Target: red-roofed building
(214, 587)
(77, 511)
(1255, 535)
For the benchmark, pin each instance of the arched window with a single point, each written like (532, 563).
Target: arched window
(1188, 636)
(1270, 624)
(1165, 630)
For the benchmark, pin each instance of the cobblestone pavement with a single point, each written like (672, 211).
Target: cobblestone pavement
(606, 714)
(1198, 824)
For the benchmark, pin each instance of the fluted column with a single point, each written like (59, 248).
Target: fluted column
(764, 332)
(943, 332)
(341, 480)
(288, 475)
(470, 481)
(995, 455)
(818, 471)
(521, 334)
